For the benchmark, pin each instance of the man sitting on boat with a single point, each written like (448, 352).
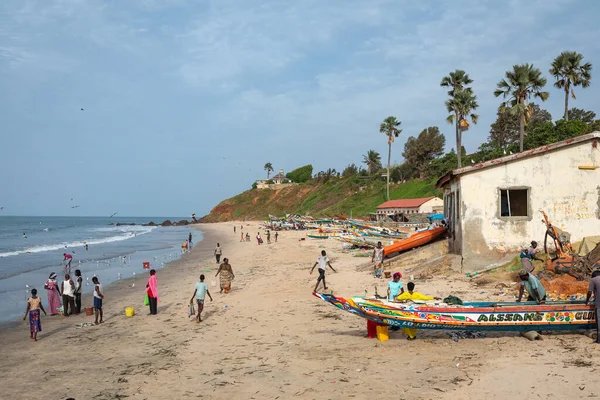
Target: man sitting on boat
(411, 333)
(534, 287)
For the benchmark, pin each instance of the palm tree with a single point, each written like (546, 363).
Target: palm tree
(373, 161)
(269, 169)
(569, 72)
(462, 104)
(389, 126)
(520, 84)
(457, 81)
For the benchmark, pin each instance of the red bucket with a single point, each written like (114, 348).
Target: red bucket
(146, 265)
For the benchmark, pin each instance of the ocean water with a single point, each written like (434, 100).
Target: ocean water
(32, 247)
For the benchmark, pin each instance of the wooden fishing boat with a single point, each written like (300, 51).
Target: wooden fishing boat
(479, 316)
(415, 240)
(321, 235)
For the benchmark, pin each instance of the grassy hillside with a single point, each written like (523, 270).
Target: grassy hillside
(319, 199)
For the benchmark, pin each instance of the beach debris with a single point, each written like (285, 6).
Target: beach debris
(456, 336)
(532, 335)
(84, 324)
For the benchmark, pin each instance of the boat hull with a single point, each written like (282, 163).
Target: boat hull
(486, 316)
(415, 240)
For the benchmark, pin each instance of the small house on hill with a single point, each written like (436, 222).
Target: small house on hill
(279, 178)
(494, 207)
(276, 181)
(394, 208)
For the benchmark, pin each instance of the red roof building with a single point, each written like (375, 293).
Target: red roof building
(424, 205)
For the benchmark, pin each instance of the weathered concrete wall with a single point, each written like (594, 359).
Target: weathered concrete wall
(569, 195)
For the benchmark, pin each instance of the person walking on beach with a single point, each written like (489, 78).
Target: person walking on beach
(78, 290)
(268, 237)
(53, 294)
(34, 305)
(276, 236)
(594, 288)
(234, 229)
(241, 237)
(200, 292)
(226, 276)
(98, 297)
(322, 262)
(68, 258)
(218, 252)
(258, 238)
(190, 240)
(85, 245)
(377, 260)
(68, 295)
(247, 237)
(152, 290)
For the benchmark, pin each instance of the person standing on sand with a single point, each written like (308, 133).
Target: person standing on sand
(595, 289)
(152, 290)
(68, 295)
(234, 229)
(258, 238)
(226, 275)
(268, 237)
(98, 297)
(34, 305)
(247, 237)
(218, 252)
(411, 333)
(200, 292)
(78, 290)
(377, 260)
(395, 287)
(276, 236)
(53, 294)
(242, 237)
(322, 262)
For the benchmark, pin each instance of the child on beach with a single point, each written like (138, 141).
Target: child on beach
(322, 262)
(34, 305)
(200, 292)
(98, 297)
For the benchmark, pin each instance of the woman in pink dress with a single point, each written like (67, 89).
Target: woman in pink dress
(152, 290)
(53, 294)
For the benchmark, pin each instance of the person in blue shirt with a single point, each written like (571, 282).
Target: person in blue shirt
(528, 255)
(395, 287)
(200, 292)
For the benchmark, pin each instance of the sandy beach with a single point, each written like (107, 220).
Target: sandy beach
(269, 338)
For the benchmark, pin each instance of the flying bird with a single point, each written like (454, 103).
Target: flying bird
(82, 109)
(74, 206)
(112, 215)
(1, 208)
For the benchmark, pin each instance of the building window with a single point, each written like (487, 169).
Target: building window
(514, 202)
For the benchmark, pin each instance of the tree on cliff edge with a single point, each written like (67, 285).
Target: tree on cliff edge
(269, 169)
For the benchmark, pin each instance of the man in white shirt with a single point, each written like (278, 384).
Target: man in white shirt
(322, 262)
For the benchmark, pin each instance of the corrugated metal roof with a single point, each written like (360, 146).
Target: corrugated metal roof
(538, 151)
(405, 203)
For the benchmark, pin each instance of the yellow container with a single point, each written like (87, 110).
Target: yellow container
(129, 311)
(382, 333)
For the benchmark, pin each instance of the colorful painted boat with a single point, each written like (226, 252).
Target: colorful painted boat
(415, 240)
(480, 316)
(321, 235)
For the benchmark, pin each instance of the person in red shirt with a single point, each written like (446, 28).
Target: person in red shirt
(68, 258)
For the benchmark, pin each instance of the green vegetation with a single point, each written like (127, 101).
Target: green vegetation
(300, 175)
(354, 195)
(520, 125)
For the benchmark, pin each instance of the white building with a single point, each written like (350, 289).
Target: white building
(426, 205)
(279, 180)
(495, 207)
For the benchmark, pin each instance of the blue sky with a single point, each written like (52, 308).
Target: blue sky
(185, 101)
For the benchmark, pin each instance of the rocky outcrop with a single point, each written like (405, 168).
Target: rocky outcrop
(167, 223)
(183, 222)
(151, 223)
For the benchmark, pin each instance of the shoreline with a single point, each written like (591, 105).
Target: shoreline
(113, 291)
